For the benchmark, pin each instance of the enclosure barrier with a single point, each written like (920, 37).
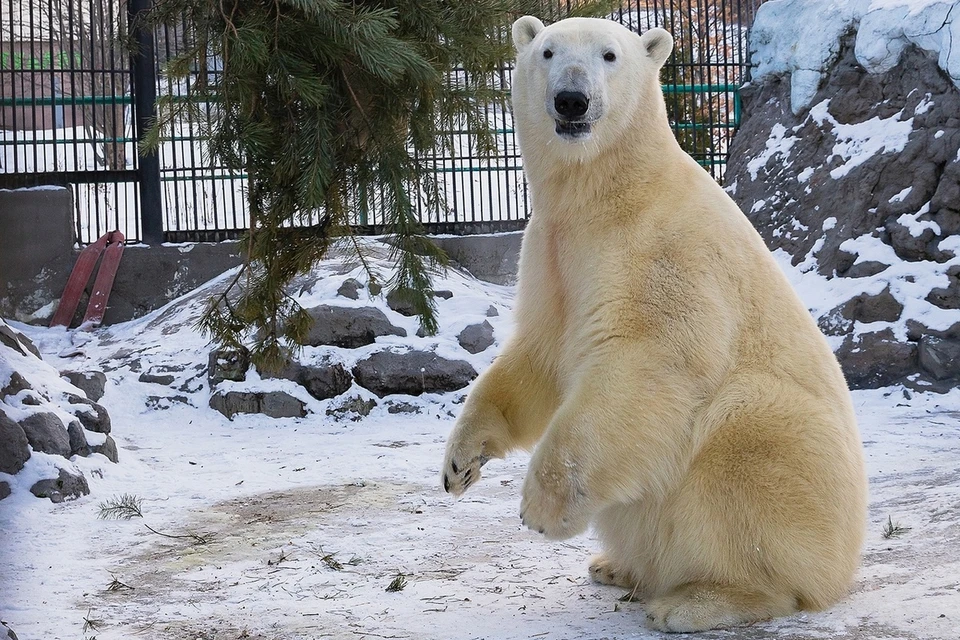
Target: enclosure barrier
(73, 104)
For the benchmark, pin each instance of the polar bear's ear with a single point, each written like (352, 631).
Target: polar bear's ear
(658, 44)
(525, 29)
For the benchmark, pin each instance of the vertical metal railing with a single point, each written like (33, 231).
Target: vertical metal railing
(74, 102)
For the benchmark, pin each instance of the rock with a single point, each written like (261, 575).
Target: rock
(947, 297)
(17, 384)
(350, 289)
(881, 307)
(865, 269)
(157, 378)
(873, 360)
(399, 301)
(4, 492)
(46, 433)
(835, 322)
(348, 327)
(442, 293)
(108, 449)
(322, 381)
(5, 631)
(17, 341)
(66, 486)
(228, 364)
(402, 407)
(92, 383)
(93, 417)
(374, 289)
(492, 312)
(354, 408)
(14, 446)
(276, 404)
(476, 337)
(940, 357)
(163, 403)
(412, 373)
(78, 440)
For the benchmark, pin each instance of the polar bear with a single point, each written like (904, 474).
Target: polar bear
(678, 394)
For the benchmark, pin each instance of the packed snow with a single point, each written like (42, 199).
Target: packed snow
(306, 522)
(802, 38)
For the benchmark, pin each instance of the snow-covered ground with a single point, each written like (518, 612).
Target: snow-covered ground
(306, 522)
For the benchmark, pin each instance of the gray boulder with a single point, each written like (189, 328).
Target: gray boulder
(14, 446)
(16, 340)
(444, 294)
(940, 357)
(66, 486)
(5, 631)
(91, 383)
(322, 381)
(275, 404)
(157, 378)
(350, 289)
(228, 364)
(93, 416)
(4, 492)
(476, 337)
(17, 384)
(353, 408)
(46, 433)
(492, 312)
(78, 440)
(402, 407)
(399, 301)
(873, 360)
(108, 449)
(412, 373)
(348, 327)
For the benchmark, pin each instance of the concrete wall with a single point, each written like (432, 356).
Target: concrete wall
(38, 251)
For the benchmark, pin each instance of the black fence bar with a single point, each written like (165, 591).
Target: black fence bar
(73, 106)
(145, 101)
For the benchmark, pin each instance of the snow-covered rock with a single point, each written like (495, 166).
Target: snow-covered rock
(47, 425)
(859, 194)
(801, 38)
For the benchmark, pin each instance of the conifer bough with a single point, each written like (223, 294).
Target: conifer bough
(328, 107)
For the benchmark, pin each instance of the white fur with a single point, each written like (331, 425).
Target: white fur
(679, 396)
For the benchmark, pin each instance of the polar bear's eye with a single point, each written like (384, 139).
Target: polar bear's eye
(548, 54)
(609, 56)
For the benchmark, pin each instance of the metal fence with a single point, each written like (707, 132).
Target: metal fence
(73, 103)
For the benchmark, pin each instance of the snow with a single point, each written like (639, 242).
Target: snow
(802, 38)
(858, 142)
(902, 195)
(283, 501)
(776, 145)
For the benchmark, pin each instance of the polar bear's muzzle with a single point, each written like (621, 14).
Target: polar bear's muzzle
(574, 114)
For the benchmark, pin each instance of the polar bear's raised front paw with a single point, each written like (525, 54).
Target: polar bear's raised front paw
(555, 503)
(462, 468)
(457, 477)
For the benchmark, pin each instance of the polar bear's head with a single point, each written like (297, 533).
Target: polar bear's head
(581, 83)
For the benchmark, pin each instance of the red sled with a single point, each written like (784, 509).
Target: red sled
(107, 251)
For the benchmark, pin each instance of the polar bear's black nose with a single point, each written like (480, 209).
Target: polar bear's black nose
(571, 104)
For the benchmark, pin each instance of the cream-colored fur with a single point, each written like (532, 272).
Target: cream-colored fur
(679, 395)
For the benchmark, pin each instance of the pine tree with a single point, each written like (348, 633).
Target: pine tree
(328, 106)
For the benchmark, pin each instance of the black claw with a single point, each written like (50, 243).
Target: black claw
(453, 465)
(446, 483)
(539, 530)
(468, 475)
